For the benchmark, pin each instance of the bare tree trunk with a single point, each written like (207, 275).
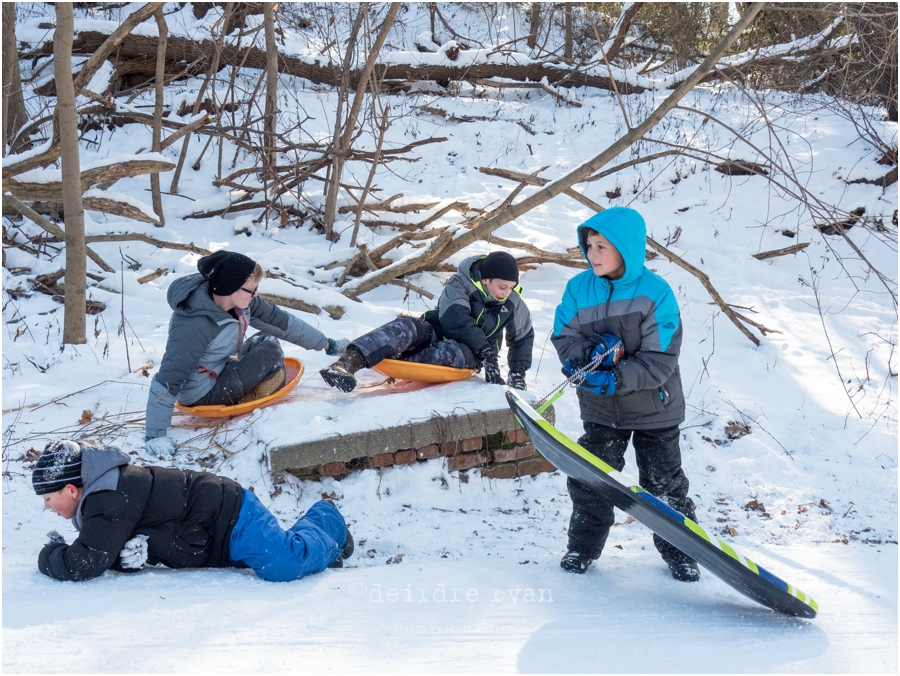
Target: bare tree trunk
(342, 145)
(76, 281)
(163, 29)
(213, 68)
(14, 113)
(535, 24)
(271, 111)
(569, 34)
(620, 30)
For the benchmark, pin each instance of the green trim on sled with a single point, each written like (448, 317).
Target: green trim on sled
(717, 556)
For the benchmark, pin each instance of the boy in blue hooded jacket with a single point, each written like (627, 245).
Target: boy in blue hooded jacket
(623, 310)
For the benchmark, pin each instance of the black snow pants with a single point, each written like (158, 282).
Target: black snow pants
(412, 339)
(258, 359)
(659, 465)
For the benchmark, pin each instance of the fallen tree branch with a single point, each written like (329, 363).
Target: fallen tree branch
(795, 248)
(147, 239)
(107, 174)
(334, 311)
(52, 228)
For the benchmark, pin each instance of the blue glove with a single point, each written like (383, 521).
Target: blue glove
(610, 343)
(599, 383)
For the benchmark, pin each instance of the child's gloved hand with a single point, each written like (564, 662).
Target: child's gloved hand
(160, 446)
(608, 345)
(336, 348)
(572, 365)
(599, 382)
(492, 372)
(54, 538)
(517, 380)
(134, 554)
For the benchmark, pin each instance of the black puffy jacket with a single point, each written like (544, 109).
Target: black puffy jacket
(188, 517)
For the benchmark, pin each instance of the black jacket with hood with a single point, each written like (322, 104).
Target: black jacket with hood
(188, 517)
(468, 314)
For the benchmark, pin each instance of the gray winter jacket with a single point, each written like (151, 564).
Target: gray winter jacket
(468, 314)
(202, 337)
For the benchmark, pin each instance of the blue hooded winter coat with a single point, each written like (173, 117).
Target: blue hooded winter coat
(639, 308)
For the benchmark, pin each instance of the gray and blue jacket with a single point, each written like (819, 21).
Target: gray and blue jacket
(202, 337)
(468, 314)
(640, 308)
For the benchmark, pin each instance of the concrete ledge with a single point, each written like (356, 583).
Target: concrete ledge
(441, 435)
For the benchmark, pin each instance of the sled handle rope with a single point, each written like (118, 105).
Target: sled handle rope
(576, 379)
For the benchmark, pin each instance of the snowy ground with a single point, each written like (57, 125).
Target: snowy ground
(821, 455)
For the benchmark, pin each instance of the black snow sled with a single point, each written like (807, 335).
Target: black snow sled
(716, 556)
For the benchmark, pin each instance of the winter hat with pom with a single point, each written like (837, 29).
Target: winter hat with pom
(59, 465)
(226, 271)
(500, 265)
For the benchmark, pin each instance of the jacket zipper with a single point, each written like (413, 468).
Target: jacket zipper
(618, 413)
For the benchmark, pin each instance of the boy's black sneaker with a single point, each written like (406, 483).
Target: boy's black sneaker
(346, 554)
(575, 562)
(340, 373)
(685, 571)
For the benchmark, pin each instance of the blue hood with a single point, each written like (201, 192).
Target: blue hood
(626, 230)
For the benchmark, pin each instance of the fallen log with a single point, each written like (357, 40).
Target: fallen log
(183, 51)
(107, 174)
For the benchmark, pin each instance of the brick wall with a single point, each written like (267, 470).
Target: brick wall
(502, 455)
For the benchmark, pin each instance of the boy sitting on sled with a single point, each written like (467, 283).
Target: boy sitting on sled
(479, 302)
(129, 516)
(207, 361)
(620, 309)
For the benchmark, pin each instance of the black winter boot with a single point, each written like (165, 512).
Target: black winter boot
(684, 571)
(346, 554)
(340, 373)
(516, 380)
(575, 562)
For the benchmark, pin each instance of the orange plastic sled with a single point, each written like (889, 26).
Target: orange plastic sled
(423, 373)
(293, 371)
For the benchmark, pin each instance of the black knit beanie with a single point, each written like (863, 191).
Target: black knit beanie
(226, 271)
(59, 465)
(500, 265)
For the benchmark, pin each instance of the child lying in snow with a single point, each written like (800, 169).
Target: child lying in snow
(465, 331)
(129, 516)
(207, 361)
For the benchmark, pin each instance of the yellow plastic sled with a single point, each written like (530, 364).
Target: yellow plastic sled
(293, 371)
(422, 373)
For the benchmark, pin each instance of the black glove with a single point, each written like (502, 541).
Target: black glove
(517, 380)
(486, 354)
(492, 372)
(572, 364)
(54, 538)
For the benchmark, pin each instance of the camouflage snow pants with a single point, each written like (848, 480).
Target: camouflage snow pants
(415, 340)
(258, 359)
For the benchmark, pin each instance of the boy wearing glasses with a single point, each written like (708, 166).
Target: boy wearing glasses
(207, 360)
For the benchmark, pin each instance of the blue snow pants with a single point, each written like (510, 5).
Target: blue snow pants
(309, 546)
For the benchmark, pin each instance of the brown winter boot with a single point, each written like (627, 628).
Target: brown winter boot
(340, 373)
(265, 388)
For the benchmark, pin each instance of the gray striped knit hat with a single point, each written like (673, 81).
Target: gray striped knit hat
(59, 465)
